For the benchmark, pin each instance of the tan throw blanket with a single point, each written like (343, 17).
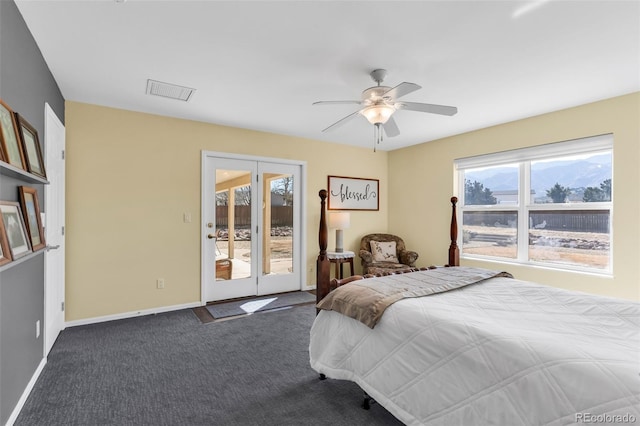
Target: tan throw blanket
(365, 300)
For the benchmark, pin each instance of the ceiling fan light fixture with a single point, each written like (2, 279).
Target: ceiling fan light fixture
(378, 114)
(380, 102)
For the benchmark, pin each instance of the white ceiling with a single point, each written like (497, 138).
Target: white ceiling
(261, 64)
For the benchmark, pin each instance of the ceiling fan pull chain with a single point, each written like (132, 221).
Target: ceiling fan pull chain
(375, 136)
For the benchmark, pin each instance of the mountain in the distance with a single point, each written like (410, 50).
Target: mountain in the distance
(577, 175)
(544, 175)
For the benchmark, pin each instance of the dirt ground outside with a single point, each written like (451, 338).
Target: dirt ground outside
(281, 242)
(589, 249)
(281, 247)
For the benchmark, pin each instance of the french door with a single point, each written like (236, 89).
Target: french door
(251, 233)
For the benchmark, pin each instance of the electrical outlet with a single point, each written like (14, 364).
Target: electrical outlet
(160, 283)
(37, 329)
(186, 217)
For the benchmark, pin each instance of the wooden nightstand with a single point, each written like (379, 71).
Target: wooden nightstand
(340, 258)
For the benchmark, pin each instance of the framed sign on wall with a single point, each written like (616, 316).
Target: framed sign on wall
(348, 193)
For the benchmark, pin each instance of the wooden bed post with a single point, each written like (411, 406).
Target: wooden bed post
(322, 265)
(454, 252)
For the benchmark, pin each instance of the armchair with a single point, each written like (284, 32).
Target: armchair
(382, 259)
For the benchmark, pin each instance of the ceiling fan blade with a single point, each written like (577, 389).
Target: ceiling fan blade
(432, 108)
(342, 121)
(401, 90)
(337, 103)
(391, 128)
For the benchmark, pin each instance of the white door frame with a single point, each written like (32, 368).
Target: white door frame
(204, 212)
(54, 212)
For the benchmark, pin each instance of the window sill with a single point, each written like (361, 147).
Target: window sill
(542, 266)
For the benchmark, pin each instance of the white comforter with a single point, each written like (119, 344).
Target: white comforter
(503, 352)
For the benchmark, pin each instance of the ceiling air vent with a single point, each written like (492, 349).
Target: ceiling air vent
(166, 90)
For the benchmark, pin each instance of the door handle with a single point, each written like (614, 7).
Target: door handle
(48, 248)
(211, 236)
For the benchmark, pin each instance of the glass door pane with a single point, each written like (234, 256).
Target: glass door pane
(233, 226)
(278, 224)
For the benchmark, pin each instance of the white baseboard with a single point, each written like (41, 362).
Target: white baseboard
(132, 314)
(25, 394)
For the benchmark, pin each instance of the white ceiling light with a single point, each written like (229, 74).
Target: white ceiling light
(378, 114)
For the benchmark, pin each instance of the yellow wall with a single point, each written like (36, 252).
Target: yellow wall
(421, 183)
(130, 178)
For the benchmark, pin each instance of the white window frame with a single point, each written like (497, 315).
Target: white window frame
(524, 206)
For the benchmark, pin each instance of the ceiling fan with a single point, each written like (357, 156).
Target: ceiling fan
(380, 102)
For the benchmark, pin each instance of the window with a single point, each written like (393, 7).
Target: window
(548, 205)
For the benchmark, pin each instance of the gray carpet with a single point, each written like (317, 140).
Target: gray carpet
(243, 307)
(170, 369)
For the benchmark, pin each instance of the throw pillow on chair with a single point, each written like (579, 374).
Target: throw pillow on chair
(384, 251)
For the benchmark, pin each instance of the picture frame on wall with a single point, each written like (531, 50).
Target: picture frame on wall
(31, 147)
(32, 218)
(2, 156)
(349, 193)
(9, 137)
(5, 251)
(16, 231)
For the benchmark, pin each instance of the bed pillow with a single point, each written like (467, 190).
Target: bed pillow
(384, 251)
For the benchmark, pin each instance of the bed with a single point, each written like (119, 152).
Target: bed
(497, 351)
